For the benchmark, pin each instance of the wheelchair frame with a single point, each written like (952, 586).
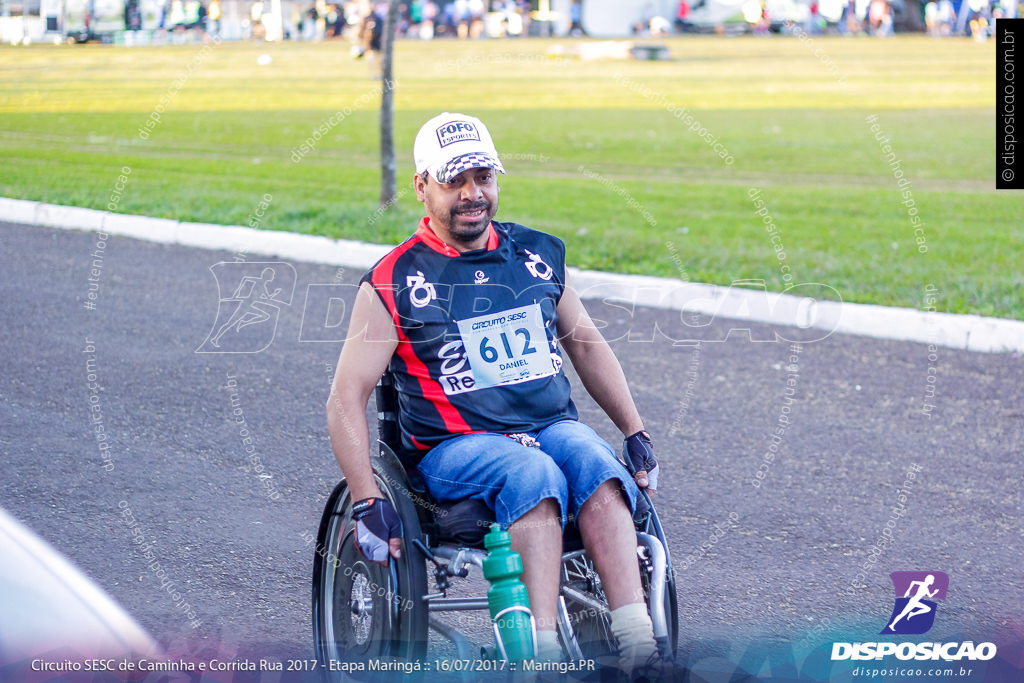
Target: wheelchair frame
(362, 610)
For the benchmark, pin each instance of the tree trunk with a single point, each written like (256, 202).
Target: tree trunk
(388, 167)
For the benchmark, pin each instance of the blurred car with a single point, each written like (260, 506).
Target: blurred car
(50, 612)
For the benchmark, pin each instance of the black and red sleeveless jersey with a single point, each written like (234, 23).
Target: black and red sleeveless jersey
(477, 341)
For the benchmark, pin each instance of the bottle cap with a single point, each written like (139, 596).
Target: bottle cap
(496, 537)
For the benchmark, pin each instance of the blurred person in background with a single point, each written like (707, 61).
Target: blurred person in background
(195, 17)
(320, 22)
(813, 19)
(658, 26)
(524, 14)
(880, 18)
(576, 16)
(682, 17)
(354, 12)
(213, 18)
(445, 25)
(946, 17)
(256, 17)
(980, 20)
(334, 21)
(415, 14)
(477, 9)
(511, 19)
(845, 17)
(371, 34)
(938, 18)
(298, 23)
(427, 22)
(309, 18)
(361, 15)
(177, 17)
(460, 10)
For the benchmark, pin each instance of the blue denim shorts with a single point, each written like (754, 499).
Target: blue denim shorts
(512, 479)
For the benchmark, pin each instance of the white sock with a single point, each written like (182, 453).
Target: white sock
(548, 648)
(634, 632)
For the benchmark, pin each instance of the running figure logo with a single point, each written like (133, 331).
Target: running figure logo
(247, 317)
(916, 595)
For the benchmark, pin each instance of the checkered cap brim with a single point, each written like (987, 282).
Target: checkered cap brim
(466, 162)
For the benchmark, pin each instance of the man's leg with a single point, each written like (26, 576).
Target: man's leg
(609, 537)
(606, 526)
(527, 492)
(599, 501)
(601, 496)
(537, 537)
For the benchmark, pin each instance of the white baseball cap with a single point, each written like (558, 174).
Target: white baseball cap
(449, 144)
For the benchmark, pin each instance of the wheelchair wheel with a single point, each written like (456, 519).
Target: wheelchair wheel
(651, 524)
(592, 627)
(362, 610)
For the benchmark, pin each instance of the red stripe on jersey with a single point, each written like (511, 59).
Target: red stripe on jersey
(431, 390)
(383, 280)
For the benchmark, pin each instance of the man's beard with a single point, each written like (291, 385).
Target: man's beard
(468, 233)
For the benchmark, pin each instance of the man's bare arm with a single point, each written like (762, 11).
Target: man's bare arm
(368, 348)
(595, 363)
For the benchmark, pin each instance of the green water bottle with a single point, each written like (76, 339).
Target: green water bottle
(507, 597)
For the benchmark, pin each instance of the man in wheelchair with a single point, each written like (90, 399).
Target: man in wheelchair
(471, 316)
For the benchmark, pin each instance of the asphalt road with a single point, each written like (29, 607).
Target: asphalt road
(780, 575)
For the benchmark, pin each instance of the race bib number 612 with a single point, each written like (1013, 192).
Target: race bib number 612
(507, 347)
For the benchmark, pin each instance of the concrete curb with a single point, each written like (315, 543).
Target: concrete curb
(738, 302)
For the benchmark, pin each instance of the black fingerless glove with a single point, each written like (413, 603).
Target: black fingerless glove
(641, 456)
(376, 523)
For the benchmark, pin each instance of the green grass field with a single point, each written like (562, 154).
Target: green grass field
(609, 169)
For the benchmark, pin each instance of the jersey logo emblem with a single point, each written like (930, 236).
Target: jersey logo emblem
(481, 278)
(537, 266)
(421, 292)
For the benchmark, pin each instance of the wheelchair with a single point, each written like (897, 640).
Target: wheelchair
(364, 611)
